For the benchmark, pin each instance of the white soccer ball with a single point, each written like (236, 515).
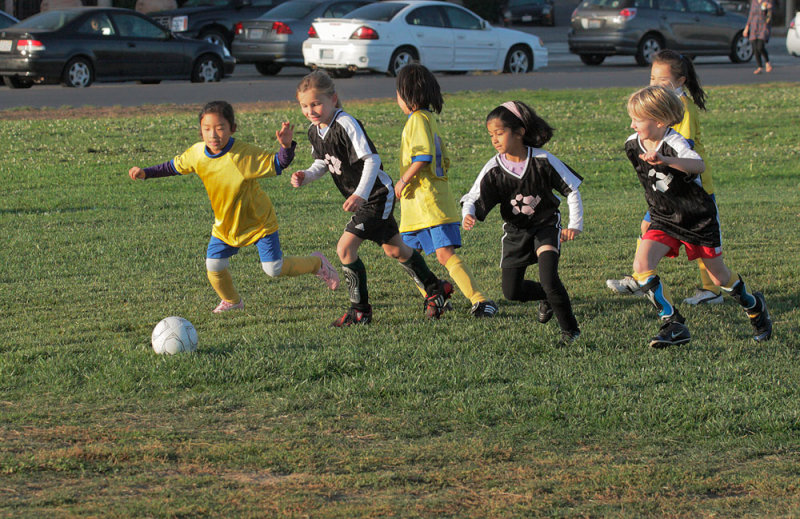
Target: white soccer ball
(174, 335)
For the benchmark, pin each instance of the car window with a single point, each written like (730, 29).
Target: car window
(50, 20)
(523, 3)
(97, 25)
(671, 5)
(259, 3)
(608, 4)
(205, 3)
(341, 9)
(131, 26)
(429, 16)
(381, 12)
(460, 19)
(6, 21)
(702, 6)
(292, 10)
(647, 4)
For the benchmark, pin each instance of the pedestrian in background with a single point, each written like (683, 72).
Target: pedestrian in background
(758, 29)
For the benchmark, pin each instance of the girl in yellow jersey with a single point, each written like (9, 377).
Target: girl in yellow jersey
(676, 72)
(429, 216)
(243, 213)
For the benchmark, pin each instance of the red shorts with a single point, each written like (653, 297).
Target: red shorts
(693, 251)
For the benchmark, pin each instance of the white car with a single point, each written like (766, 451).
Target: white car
(385, 36)
(793, 36)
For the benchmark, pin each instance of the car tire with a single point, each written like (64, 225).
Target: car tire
(207, 69)
(268, 68)
(400, 58)
(648, 46)
(592, 59)
(17, 82)
(216, 37)
(741, 49)
(149, 81)
(518, 60)
(77, 73)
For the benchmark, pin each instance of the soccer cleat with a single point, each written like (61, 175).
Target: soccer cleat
(437, 303)
(626, 286)
(704, 297)
(225, 306)
(762, 323)
(545, 311)
(568, 337)
(327, 272)
(353, 316)
(486, 308)
(671, 333)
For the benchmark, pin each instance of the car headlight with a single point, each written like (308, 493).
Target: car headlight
(179, 24)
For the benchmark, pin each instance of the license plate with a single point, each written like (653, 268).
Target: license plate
(594, 24)
(255, 34)
(326, 53)
(527, 18)
(5, 45)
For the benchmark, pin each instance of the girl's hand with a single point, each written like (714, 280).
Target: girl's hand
(297, 178)
(136, 173)
(398, 188)
(353, 204)
(569, 234)
(285, 134)
(652, 157)
(468, 223)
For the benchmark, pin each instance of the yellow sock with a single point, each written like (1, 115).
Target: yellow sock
(299, 265)
(732, 281)
(644, 276)
(706, 279)
(223, 285)
(464, 280)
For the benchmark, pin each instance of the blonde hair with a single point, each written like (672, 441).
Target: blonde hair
(656, 103)
(320, 81)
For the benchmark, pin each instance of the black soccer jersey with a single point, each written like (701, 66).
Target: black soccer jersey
(679, 206)
(526, 201)
(343, 146)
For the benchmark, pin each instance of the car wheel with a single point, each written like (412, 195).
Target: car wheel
(215, 37)
(17, 82)
(149, 81)
(518, 60)
(401, 57)
(207, 69)
(77, 73)
(648, 46)
(268, 68)
(592, 59)
(741, 49)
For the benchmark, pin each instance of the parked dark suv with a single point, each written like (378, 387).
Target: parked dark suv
(641, 28)
(212, 20)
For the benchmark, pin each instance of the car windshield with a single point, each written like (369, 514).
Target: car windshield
(523, 3)
(382, 12)
(294, 10)
(608, 4)
(51, 20)
(204, 3)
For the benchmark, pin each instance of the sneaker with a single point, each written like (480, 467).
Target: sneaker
(436, 304)
(762, 324)
(327, 272)
(626, 286)
(353, 316)
(568, 337)
(225, 306)
(704, 297)
(671, 333)
(545, 311)
(484, 309)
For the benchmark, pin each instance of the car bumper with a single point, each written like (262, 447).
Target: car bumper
(34, 68)
(349, 55)
(793, 43)
(249, 52)
(602, 43)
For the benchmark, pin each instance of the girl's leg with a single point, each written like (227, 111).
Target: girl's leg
(758, 49)
(414, 264)
(517, 288)
(460, 273)
(275, 264)
(557, 295)
(355, 274)
(221, 280)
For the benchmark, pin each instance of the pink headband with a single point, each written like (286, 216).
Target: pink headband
(512, 107)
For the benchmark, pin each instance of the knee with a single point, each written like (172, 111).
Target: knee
(272, 268)
(512, 293)
(217, 264)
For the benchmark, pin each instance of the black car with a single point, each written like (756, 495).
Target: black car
(529, 11)
(212, 20)
(86, 44)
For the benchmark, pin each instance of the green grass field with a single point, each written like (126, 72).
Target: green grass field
(279, 415)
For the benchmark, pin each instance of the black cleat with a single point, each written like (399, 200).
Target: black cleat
(437, 303)
(353, 316)
(545, 311)
(486, 308)
(671, 333)
(762, 324)
(568, 337)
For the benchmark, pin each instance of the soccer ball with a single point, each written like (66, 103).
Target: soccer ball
(174, 335)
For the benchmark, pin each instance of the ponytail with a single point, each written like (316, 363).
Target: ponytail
(682, 66)
(517, 115)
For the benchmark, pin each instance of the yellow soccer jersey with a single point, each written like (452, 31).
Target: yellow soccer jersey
(426, 201)
(689, 127)
(243, 213)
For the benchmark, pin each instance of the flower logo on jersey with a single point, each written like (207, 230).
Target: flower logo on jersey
(334, 164)
(662, 181)
(524, 204)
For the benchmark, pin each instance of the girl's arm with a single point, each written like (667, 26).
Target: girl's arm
(406, 177)
(477, 203)
(167, 169)
(575, 203)
(369, 173)
(691, 166)
(315, 171)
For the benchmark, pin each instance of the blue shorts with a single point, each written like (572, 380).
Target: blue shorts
(432, 238)
(647, 214)
(269, 248)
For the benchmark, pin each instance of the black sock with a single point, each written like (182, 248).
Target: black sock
(355, 274)
(517, 288)
(420, 273)
(556, 293)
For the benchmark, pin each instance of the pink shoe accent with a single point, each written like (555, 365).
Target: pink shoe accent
(225, 306)
(327, 272)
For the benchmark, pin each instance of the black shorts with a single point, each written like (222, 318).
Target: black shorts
(519, 246)
(369, 227)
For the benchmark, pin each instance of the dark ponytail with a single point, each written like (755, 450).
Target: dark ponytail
(681, 66)
(537, 131)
